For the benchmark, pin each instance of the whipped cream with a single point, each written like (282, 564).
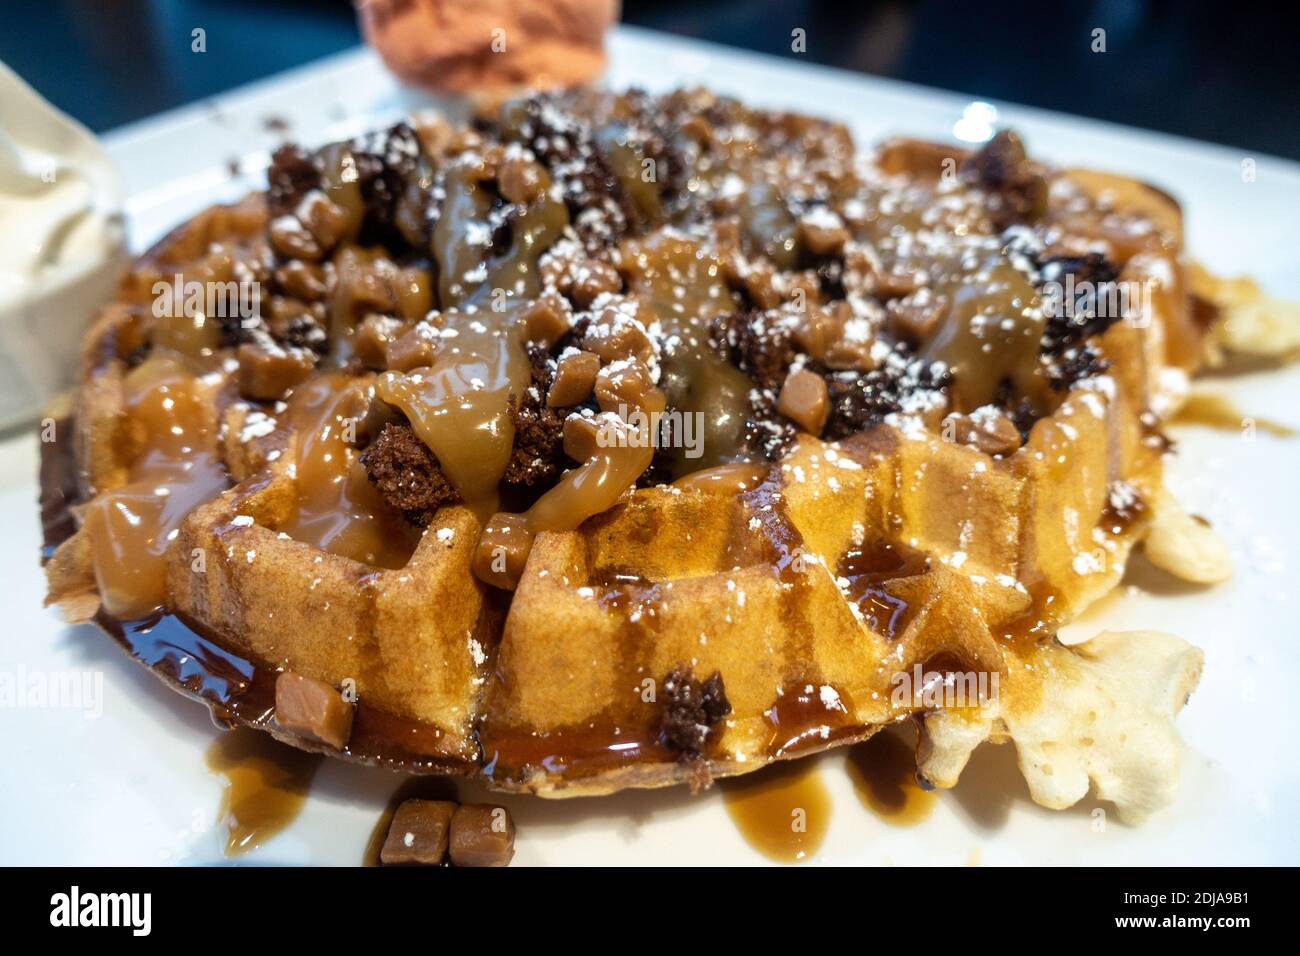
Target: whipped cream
(61, 243)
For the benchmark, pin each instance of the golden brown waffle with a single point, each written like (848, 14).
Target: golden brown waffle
(851, 563)
(809, 585)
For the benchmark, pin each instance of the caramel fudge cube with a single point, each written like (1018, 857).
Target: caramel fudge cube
(312, 709)
(482, 835)
(418, 833)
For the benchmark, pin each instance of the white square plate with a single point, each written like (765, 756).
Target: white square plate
(129, 786)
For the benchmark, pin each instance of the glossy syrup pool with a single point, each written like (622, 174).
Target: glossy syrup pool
(783, 811)
(1213, 410)
(883, 771)
(267, 783)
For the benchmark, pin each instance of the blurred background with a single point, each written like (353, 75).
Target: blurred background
(1227, 73)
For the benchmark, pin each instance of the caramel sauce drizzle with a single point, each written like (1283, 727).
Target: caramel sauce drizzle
(511, 752)
(461, 238)
(459, 406)
(679, 283)
(991, 328)
(338, 509)
(176, 467)
(268, 782)
(993, 323)
(801, 720)
(241, 690)
(595, 486)
(991, 334)
(591, 488)
(869, 571)
(765, 805)
(343, 186)
(724, 479)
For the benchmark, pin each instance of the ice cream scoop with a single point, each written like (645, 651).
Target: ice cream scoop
(484, 46)
(61, 244)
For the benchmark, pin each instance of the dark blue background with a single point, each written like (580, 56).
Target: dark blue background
(1223, 72)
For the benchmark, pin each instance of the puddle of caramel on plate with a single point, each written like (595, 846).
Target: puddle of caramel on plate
(783, 811)
(1211, 410)
(883, 771)
(266, 786)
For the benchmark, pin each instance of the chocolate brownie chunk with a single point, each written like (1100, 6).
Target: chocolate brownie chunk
(761, 349)
(390, 171)
(861, 399)
(291, 175)
(1001, 168)
(1092, 278)
(564, 144)
(538, 454)
(690, 710)
(407, 474)
(302, 331)
(1075, 365)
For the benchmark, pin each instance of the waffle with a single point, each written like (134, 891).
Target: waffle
(890, 516)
